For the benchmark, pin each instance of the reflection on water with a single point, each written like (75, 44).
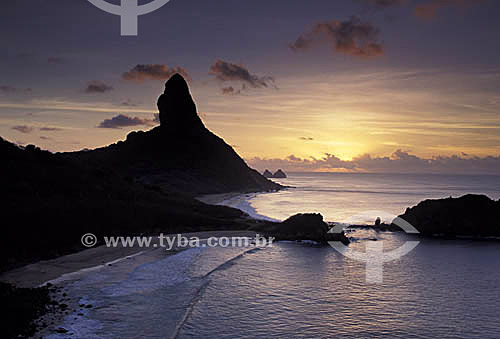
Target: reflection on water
(441, 289)
(338, 196)
(444, 289)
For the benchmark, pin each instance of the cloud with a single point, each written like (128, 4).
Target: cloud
(306, 138)
(293, 163)
(23, 129)
(96, 86)
(351, 37)
(10, 89)
(128, 103)
(122, 120)
(56, 60)
(430, 9)
(226, 71)
(50, 129)
(384, 3)
(228, 90)
(144, 72)
(425, 9)
(399, 162)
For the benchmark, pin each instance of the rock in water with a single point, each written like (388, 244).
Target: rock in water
(302, 227)
(181, 155)
(177, 107)
(469, 215)
(279, 174)
(267, 174)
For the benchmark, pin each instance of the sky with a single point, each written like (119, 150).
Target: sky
(404, 86)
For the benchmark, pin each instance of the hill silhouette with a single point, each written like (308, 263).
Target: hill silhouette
(181, 155)
(48, 202)
(143, 184)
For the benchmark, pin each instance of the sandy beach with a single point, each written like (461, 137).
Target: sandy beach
(39, 273)
(216, 199)
(58, 274)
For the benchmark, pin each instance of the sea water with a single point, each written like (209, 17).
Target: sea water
(441, 289)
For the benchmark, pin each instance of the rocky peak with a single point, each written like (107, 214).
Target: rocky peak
(267, 174)
(279, 174)
(177, 107)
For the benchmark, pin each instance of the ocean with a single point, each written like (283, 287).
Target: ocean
(441, 289)
(340, 196)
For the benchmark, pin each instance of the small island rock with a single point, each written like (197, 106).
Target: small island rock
(267, 174)
(279, 174)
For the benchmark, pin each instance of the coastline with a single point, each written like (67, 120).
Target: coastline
(238, 200)
(61, 268)
(58, 275)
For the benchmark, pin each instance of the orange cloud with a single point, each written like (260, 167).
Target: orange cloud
(351, 37)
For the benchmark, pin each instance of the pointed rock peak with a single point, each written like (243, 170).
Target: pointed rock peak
(279, 174)
(176, 106)
(177, 83)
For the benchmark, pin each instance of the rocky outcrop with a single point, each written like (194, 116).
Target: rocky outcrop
(469, 215)
(302, 227)
(22, 307)
(279, 174)
(177, 108)
(181, 155)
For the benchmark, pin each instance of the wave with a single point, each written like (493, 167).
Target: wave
(199, 293)
(242, 202)
(79, 273)
(151, 276)
(85, 327)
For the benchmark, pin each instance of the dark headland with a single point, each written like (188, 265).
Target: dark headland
(468, 216)
(146, 183)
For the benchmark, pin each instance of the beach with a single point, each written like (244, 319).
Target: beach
(60, 274)
(91, 259)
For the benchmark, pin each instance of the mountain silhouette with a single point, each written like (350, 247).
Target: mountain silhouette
(181, 155)
(143, 184)
(49, 201)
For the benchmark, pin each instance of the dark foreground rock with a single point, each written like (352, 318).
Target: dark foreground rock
(302, 227)
(49, 201)
(21, 307)
(470, 215)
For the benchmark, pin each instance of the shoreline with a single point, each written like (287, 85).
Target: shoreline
(238, 200)
(50, 271)
(57, 275)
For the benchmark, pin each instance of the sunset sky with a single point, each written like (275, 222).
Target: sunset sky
(345, 85)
